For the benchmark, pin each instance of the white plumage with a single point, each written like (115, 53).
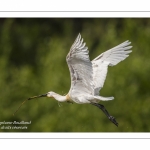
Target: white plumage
(109, 58)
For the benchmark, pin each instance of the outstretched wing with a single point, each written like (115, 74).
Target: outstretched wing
(80, 66)
(109, 58)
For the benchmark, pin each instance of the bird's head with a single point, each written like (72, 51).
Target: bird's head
(50, 94)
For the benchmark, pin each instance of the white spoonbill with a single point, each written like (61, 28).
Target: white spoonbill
(88, 77)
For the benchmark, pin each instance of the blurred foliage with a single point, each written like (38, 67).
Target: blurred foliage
(33, 61)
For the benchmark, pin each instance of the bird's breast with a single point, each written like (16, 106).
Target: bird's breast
(68, 98)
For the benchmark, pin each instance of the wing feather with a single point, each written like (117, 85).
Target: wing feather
(109, 58)
(80, 66)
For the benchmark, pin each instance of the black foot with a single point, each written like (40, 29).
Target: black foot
(111, 118)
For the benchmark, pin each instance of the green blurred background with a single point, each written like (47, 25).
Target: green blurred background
(33, 61)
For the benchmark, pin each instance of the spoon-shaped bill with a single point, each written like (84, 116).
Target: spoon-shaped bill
(43, 95)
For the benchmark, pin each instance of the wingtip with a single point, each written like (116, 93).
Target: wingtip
(79, 35)
(129, 42)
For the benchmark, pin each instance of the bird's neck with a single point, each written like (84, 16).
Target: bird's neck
(59, 98)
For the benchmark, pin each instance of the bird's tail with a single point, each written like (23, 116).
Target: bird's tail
(103, 98)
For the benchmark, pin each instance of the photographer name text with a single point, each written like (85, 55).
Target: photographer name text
(14, 124)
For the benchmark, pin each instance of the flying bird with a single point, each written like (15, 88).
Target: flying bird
(88, 77)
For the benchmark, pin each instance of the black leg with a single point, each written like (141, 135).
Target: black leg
(111, 118)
